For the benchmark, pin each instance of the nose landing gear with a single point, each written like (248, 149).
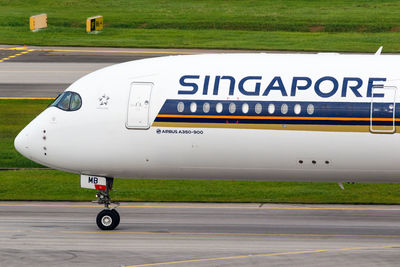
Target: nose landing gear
(107, 219)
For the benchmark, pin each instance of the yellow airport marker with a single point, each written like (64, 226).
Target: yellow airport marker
(38, 22)
(94, 24)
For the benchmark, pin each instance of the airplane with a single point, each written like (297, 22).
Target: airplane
(277, 117)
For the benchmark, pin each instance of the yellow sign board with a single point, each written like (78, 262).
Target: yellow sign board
(94, 24)
(38, 22)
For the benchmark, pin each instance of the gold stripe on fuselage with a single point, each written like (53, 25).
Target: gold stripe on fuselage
(291, 127)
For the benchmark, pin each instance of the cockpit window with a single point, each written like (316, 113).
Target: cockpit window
(64, 102)
(76, 102)
(68, 101)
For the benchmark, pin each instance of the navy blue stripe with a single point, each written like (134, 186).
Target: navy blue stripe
(321, 109)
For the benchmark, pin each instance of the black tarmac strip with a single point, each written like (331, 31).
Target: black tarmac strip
(37, 90)
(96, 55)
(79, 56)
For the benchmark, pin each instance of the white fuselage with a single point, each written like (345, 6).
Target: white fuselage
(334, 119)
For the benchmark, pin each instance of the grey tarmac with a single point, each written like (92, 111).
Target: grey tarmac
(41, 79)
(200, 234)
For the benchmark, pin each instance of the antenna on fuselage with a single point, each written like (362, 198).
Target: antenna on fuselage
(379, 51)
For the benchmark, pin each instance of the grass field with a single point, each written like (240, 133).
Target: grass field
(277, 25)
(57, 185)
(38, 184)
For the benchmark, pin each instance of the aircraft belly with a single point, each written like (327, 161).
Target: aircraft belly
(264, 155)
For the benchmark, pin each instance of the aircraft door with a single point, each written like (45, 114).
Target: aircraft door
(383, 107)
(139, 106)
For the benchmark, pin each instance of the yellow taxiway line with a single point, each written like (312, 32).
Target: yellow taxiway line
(118, 51)
(43, 71)
(226, 234)
(25, 98)
(25, 51)
(206, 207)
(101, 51)
(116, 232)
(262, 255)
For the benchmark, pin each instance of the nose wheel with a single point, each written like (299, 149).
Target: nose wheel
(107, 219)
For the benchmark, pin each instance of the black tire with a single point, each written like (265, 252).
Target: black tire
(107, 220)
(117, 217)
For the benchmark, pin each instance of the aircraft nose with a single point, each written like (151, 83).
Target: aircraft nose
(21, 143)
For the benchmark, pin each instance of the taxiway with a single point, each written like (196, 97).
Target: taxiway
(183, 234)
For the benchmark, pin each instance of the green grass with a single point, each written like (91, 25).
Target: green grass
(57, 185)
(277, 25)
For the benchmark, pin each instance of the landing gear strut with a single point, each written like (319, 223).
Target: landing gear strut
(107, 219)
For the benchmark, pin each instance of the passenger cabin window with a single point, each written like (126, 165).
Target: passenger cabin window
(68, 101)
(232, 108)
(180, 107)
(271, 108)
(219, 108)
(284, 108)
(310, 109)
(206, 107)
(245, 108)
(71, 101)
(258, 108)
(193, 107)
(297, 109)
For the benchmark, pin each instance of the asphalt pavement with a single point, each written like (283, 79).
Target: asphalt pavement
(189, 234)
